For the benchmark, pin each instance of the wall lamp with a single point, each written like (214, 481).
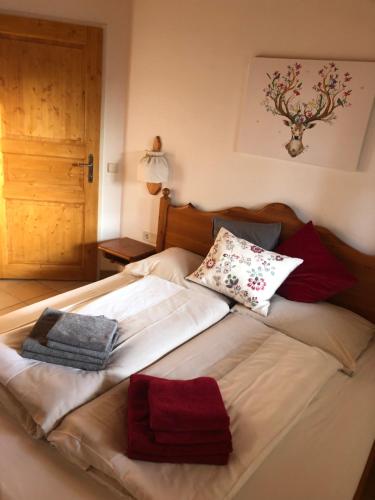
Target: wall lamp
(153, 168)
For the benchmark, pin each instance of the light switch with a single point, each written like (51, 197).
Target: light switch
(112, 168)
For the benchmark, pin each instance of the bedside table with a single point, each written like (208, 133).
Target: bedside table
(125, 250)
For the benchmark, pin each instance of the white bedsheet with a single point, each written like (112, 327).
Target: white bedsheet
(32, 470)
(14, 324)
(322, 457)
(267, 381)
(155, 317)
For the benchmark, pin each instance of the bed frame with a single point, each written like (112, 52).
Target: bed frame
(190, 228)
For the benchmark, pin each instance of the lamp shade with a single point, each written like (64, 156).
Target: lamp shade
(153, 167)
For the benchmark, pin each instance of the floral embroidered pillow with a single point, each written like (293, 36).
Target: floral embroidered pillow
(243, 271)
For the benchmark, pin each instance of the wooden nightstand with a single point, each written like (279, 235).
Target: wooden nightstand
(125, 250)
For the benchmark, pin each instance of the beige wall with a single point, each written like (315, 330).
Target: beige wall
(187, 75)
(113, 16)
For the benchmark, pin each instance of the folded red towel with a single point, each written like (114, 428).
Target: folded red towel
(187, 405)
(208, 460)
(141, 441)
(193, 437)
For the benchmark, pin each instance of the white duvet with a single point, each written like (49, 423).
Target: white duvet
(155, 317)
(267, 380)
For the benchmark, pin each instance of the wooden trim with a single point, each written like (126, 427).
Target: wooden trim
(44, 193)
(165, 201)
(126, 248)
(3, 233)
(41, 29)
(153, 187)
(365, 475)
(156, 145)
(190, 228)
(70, 150)
(92, 125)
(68, 272)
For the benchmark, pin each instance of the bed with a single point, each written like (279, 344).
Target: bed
(319, 450)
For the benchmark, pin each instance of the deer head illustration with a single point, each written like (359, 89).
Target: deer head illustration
(281, 94)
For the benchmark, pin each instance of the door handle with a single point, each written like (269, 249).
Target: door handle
(90, 165)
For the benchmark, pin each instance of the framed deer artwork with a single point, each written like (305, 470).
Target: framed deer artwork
(309, 111)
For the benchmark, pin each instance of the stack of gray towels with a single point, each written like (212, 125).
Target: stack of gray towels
(69, 339)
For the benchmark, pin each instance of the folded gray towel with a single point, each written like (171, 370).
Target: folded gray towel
(64, 362)
(88, 332)
(46, 321)
(60, 346)
(32, 345)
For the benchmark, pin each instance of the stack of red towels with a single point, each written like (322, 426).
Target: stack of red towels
(177, 421)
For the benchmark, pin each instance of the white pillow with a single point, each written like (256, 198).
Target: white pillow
(243, 271)
(338, 331)
(172, 264)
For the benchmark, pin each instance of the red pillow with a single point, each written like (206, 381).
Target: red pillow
(320, 275)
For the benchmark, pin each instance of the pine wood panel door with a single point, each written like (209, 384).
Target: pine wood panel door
(50, 93)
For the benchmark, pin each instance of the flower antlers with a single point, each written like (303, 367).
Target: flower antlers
(331, 93)
(282, 90)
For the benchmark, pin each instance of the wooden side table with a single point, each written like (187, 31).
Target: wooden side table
(125, 250)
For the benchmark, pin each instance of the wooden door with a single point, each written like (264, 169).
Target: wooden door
(50, 82)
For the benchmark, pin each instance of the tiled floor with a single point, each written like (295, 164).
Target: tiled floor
(19, 293)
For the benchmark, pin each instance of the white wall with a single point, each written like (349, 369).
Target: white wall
(113, 16)
(187, 76)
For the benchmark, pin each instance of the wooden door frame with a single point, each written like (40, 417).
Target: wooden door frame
(93, 129)
(71, 35)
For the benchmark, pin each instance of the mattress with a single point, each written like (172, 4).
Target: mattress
(322, 456)
(31, 469)
(266, 379)
(334, 446)
(155, 316)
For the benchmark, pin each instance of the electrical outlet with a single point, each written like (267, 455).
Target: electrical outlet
(149, 237)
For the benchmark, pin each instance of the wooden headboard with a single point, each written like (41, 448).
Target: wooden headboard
(189, 228)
